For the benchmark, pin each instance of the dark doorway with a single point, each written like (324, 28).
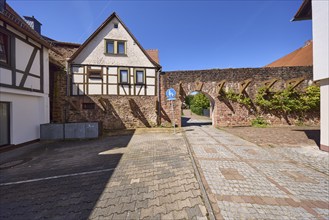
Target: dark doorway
(4, 123)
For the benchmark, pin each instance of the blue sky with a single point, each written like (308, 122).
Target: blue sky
(190, 35)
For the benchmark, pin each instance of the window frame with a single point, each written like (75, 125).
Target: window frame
(106, 47)
(91, 73)
(119, 76)
(7, 50)
(116, 46)
(124, 47)
(135, 76)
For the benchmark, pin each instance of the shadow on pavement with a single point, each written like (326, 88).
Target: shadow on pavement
(313, 135)
(62, 180)
(186, 122)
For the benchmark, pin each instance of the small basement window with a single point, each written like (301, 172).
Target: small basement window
(124, 76)
(139, 76)
(88, 105)
(95, 73)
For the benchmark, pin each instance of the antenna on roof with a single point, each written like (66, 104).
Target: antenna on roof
(2, 6)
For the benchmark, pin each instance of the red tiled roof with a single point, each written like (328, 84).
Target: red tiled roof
(300, 57)
(154, 54)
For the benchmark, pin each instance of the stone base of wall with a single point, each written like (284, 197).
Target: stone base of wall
(115, 112)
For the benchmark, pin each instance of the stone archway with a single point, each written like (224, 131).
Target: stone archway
(211, 82)
(212, 104)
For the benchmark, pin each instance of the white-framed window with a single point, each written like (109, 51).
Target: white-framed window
(140, 76)
(123, 76)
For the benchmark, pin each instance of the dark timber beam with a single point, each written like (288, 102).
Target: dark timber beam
(220, 86)
(293, 83)
(244, 84)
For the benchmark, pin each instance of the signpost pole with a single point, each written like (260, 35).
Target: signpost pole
(171, 96)
(173, 115)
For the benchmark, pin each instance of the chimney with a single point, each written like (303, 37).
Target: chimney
(34, 23)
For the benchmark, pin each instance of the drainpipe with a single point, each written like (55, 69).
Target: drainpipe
(68, 74)
(159, 96)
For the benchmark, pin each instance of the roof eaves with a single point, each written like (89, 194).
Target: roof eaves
(304, 12)
(11, 17)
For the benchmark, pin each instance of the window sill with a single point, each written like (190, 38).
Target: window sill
(115, 55)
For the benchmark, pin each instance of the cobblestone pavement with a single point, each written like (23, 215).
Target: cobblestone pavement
(144, 176)
(245, 181)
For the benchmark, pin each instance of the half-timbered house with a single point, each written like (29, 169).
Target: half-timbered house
(113, 79)
(24, 80)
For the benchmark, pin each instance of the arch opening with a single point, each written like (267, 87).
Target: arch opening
(197, 109)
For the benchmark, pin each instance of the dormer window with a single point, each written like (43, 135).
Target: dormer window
(115, 47)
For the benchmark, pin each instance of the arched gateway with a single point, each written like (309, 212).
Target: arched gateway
(213, 82)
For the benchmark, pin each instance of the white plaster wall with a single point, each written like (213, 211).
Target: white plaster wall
(32, 83)
(35, 68)
(324, 112)
(150, 90)
(113, 90)
(6, 76)
(93, 53)
(150, 72)
(320, 22)
(23, 54)
(46, 72)
(27, 113)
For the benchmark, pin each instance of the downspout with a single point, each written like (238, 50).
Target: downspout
(68, 73)
(159, 96)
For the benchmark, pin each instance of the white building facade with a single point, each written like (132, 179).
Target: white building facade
(320, 21)
(24, 80)
(112, 62)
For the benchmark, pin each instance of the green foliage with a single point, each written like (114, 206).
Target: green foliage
(289, 100)
(197, 110)
(188, 100)
(259, 122)
(198, 103)
(311, 98)
(239, 98)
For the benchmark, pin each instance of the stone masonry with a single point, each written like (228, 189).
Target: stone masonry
(227, 113)
(121, 112)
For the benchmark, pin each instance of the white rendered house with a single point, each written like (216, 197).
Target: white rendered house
(318, 11)
(24, 80)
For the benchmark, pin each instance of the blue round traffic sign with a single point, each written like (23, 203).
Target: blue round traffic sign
(171, 94)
